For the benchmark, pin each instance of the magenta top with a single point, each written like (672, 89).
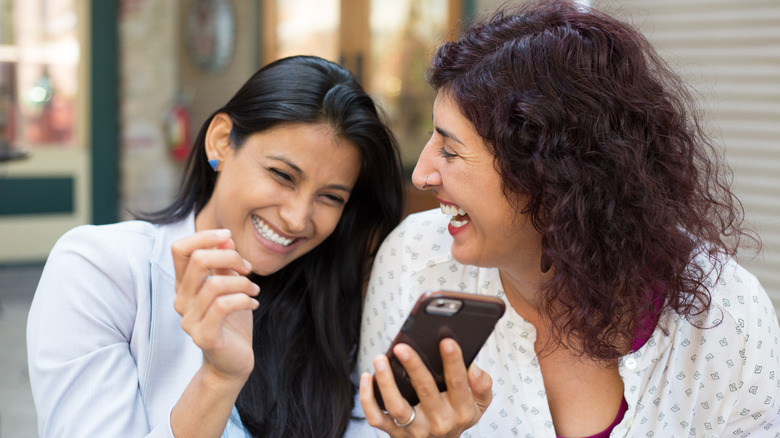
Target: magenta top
(641, 336)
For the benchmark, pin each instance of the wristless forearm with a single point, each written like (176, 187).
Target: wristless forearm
(204, 408)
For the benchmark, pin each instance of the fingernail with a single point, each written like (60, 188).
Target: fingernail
(255, 304)
(476, 371)
(448, 347)
(401, 354)
(256, 288)
(365, 380)
(222, 232)
(248, 265)
(380, 365)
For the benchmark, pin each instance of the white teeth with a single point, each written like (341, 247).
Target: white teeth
(458, 224)
(269, 233)
(451, 210)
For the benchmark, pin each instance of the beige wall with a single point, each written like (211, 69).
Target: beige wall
(148, 81)
(157, 72)
(208, 91)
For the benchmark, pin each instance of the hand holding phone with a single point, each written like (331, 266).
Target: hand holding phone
(467, 318)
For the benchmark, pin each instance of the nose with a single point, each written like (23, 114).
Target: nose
(296, 213)
(425, 175)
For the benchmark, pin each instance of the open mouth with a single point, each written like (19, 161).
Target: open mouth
(459, 217)
(269, 233)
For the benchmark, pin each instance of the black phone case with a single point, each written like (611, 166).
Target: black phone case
(469, 327)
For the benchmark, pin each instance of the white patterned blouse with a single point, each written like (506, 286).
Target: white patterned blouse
(684, 382)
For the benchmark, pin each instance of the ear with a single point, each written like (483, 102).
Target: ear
(217, 143)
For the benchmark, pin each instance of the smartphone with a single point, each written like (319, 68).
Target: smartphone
(467, 318)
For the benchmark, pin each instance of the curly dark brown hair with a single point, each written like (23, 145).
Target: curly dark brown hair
(604, 141)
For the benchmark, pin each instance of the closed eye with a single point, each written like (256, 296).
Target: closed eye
(443, 153)
(282, 175)
(334, 199)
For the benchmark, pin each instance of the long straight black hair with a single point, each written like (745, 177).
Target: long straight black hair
(307, 326)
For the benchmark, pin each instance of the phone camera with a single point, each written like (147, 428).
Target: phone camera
(444, 306)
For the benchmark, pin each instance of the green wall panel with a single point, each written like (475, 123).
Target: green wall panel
(27, 196)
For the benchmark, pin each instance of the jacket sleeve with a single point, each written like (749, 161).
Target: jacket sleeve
(83, 376)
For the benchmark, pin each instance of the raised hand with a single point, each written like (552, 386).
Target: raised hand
(439, 414)
(215, 299)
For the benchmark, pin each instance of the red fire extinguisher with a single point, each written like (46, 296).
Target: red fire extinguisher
(179, 132)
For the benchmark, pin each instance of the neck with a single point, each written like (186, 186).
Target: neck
(522, 288)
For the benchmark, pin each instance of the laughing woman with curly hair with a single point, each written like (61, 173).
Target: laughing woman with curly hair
(584, 192)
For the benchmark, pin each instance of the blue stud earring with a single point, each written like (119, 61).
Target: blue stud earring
(213, 164)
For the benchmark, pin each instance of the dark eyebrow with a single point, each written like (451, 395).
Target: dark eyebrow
(446, 134)
(339, 187)
(300, 173)
(289, 163)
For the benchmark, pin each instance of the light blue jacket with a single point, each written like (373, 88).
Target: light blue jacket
(106, 352)
(107, 355)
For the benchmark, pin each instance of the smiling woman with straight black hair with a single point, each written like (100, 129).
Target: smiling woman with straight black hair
(235, 311)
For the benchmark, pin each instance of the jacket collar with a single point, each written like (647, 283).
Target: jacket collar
(167, 234)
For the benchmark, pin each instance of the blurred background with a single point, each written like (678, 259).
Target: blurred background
(100, 99)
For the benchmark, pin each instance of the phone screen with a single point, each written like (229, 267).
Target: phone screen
(467, 318)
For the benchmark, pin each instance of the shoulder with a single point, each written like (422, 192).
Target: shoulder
(739, 300)
(742, 343)
(129, 241)
(740, 318)
(104, 245)
(740, 325)
(93, 259)
(416, 257)
(117, 256)
(420, 239)
(103, 237)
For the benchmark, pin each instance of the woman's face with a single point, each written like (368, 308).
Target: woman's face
(461, 173)
(282, 192)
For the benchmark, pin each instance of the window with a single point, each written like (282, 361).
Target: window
(386, 43)
(39, 57)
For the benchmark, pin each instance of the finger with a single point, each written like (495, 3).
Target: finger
(457, 379)
(422, 380)
(194, 308)
(213, 259)
(205, 262)
(209, 331)
(230, 246)
(182, 249)
(395, 404)
(481, 385)
(455, 374)
(374, 415)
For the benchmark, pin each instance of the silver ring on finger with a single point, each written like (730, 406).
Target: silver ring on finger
(407, 422)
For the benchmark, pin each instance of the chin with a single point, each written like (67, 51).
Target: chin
(264, 266)
(462, 257)
(470, 258)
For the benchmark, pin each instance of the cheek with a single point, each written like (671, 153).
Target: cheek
(326, 222)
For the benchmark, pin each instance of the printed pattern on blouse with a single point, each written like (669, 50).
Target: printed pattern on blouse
(711, 377)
